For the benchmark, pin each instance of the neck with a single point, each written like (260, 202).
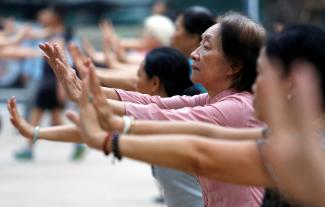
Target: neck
(213, 91)
(162, 93)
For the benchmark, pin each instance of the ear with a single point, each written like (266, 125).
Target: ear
(234, 68)
(155, 84)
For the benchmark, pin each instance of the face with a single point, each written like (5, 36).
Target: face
(150, 42)
(46, 17)
(144, 83)
(263, 66)
(210, 67)
(181, 39)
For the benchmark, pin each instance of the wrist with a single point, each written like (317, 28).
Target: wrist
(118, 123)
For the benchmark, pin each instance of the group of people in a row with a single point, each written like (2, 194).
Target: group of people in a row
(264, 149)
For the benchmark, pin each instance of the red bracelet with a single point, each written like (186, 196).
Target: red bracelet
(107, 139)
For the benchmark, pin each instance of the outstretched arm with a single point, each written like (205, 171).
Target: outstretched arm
(222, 160)
(63, 133)
(229, 161)
(195, 128)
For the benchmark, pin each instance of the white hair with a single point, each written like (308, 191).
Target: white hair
(159, 27)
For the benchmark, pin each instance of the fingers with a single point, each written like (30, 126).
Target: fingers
(60, 54)
(94, 85)
(12, 108)
(14, 115)
(60, 69)
(47, 49)
(85, 94)
(73, 117)
(88, 46)
(78, 58)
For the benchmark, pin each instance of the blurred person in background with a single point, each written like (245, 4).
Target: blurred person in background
(157, 30)
(50, 95)
(190, 24)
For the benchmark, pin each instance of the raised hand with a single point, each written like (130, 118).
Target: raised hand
(63, 71)
(91, 133)
(78, 58)
(111, 41)
(106, 117)
(17, 121)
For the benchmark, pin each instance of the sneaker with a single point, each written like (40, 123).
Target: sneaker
(159, 199)
(24, 154)
(78, 153)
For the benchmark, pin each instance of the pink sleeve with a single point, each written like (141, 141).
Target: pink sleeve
(174, 102)
(230, 112)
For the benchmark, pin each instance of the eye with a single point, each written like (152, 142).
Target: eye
(206, 46)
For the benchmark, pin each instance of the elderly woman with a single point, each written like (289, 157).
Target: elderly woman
(289, 158)
(224, 64)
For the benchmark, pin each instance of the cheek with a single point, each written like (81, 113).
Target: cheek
(142, 86)
(258, 100)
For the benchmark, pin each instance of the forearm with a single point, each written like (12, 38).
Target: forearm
(132, 43)
(110, 93)
(195, 128)
(220, 160)
(16, 52)
(117, 107)
(120, 82)
(63, 133)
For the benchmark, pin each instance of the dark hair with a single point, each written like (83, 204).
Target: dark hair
(241, 40)
(60, 11)
(197, 19)
(299, 42)
(171, 67)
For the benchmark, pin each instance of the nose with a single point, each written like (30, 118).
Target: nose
(194, 55)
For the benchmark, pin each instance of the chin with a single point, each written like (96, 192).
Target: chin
(195, 79)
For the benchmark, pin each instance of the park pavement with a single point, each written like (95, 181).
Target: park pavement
(53, 180)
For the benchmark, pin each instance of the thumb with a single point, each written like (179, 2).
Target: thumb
(74, 117)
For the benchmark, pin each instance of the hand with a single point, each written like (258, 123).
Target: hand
(90, 50)
(18, 122)
(91, 133)
(106, 117)
(64, 73)
(114, 52)
(78, 58)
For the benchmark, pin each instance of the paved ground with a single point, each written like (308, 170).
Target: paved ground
(52, 180)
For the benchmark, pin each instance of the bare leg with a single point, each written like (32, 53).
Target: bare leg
(56, 116)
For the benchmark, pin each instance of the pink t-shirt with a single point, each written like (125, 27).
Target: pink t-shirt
(229, 108)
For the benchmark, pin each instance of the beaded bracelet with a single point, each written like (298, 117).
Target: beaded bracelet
(115, 146)
(104, 146)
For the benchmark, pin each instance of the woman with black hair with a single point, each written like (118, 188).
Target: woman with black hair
(190, 25)
(165, 73)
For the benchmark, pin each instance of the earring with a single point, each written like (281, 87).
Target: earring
(289, 97)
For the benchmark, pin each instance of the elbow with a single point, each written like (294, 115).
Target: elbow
(196, 158)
